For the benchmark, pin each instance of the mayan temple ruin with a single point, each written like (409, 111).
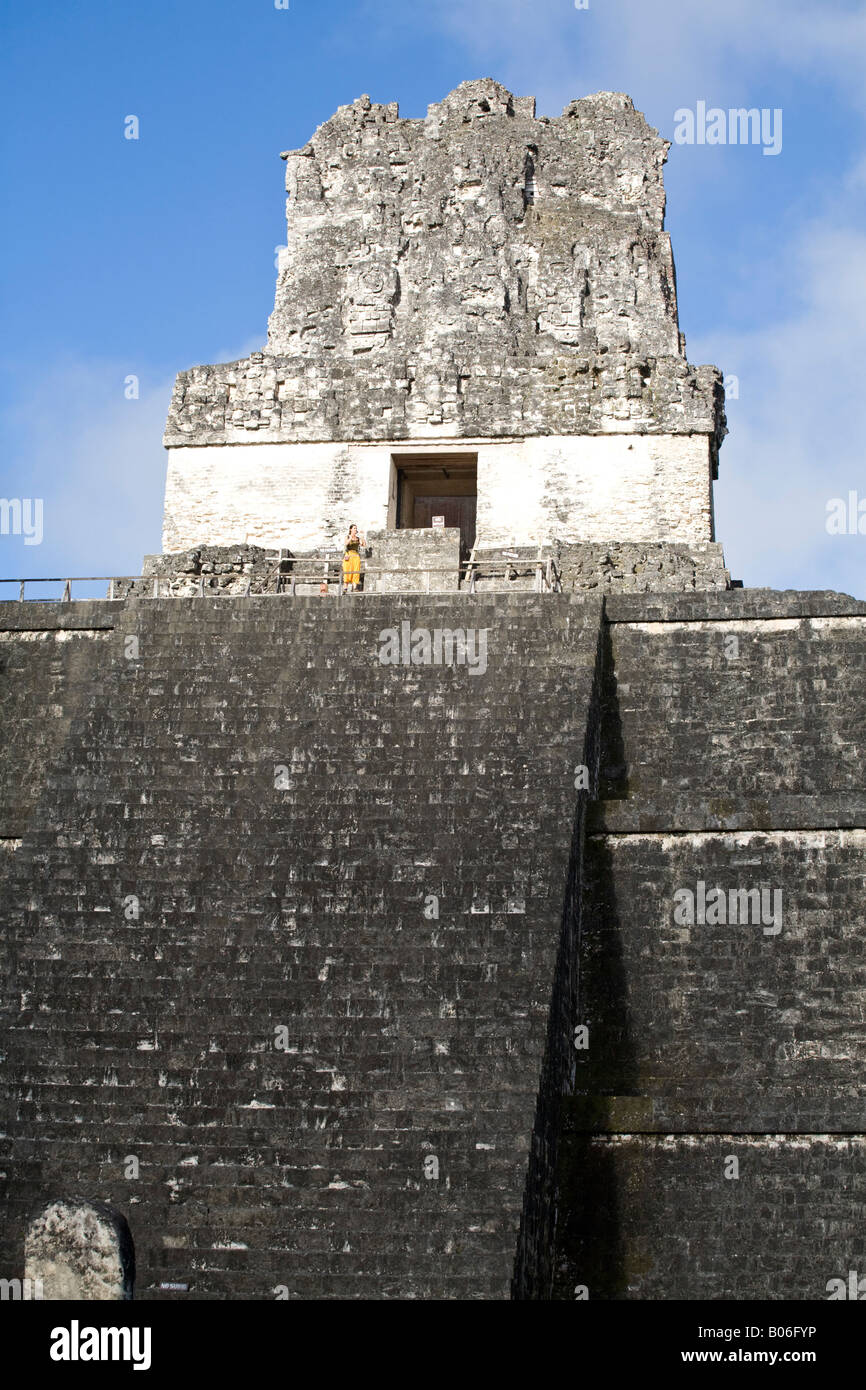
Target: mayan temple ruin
(469, 909)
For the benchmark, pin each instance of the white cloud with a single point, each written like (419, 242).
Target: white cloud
(655, 49)
(96, 459)
(798, 428)
(253, 344)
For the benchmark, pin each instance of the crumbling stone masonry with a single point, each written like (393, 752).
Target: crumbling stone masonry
(483, 284)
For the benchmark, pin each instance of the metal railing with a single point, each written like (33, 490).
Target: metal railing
(326, 572)
(67, 582)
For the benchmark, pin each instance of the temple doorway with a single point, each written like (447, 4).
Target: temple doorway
(436, 486)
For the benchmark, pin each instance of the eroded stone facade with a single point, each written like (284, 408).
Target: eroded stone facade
(482, 276)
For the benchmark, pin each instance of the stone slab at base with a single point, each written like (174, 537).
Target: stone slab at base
(414, 560)
(80, 1251)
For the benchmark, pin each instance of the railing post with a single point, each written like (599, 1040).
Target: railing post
(67, 592)
(21, 590)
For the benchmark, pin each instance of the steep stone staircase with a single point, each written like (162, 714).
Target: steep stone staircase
(286, 980)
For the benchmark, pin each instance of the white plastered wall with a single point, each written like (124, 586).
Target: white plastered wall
(575, 487)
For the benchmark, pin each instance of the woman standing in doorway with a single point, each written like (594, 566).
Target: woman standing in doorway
(352, 559)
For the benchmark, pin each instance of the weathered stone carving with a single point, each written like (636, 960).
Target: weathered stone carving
(482, 272)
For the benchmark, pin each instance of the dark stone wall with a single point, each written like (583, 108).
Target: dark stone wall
(169, 908)
(535, 1273)
(44, 676)
(737, 710)
(731, 756)
(226, 1012)
(654, 1216)
(726, 1026)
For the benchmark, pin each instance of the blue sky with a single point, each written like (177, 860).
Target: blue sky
(144, 257)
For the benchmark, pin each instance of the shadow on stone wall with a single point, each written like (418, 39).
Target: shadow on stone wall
(589, 1245)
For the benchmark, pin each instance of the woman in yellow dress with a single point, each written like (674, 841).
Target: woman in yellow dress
(352, 559)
